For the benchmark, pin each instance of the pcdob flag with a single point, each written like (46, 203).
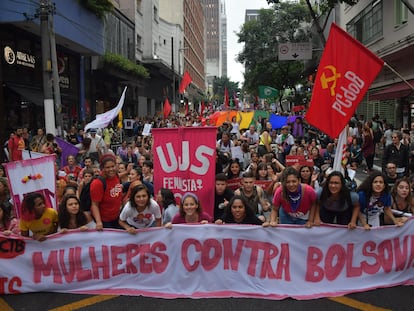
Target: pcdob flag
(345, 72)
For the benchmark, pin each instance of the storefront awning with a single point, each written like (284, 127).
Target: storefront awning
(31, 95)
(397, 90)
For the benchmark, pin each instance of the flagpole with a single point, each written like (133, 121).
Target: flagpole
(399, 76)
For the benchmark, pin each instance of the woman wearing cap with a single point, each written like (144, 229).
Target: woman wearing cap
(190, 211)
(106, 197)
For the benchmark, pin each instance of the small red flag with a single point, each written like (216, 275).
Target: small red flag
(167, 108)
(345, 72)
(185, 82)
(226, 97)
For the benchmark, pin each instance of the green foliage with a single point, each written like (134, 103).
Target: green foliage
(287, 22)
(98, 7)
(125, 64)
(219, 85)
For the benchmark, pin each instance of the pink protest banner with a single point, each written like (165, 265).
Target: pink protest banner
(185, 161)
(32, 175)
(188, 260)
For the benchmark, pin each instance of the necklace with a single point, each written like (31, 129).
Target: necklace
(294, 198)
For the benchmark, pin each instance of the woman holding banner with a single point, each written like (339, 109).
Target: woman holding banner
(294, 203)
(190, 211)
(402, 204)
(336, 203)
(238, 212)
(374, 198)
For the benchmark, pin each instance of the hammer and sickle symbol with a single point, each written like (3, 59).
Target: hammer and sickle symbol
(326, 80)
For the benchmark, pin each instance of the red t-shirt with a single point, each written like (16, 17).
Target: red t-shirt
(110, 200)
(306, 201)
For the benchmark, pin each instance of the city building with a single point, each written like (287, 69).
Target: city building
(387, 29)
(216, 39)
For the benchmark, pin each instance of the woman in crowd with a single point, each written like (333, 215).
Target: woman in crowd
(2, 171)
(166, 199)
(265, 140)
(106, 197)
(238, 212)
(72, 169)
(8, 223)
(309, 176)
(294, 203)
(190, 211)
(234, 169)
(123, 173)
(336, 203)
(71, 216)
(316, 156)
(135, 179)
(37, 217)
(402, 201)
(262, 172)
(374, 198)
(140, 211)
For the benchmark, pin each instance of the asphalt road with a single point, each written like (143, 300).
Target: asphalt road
(400, 298)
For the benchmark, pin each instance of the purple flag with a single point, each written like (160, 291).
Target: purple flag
(67, 150)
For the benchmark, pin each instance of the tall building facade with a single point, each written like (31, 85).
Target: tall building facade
(387, 29)
(216, 39)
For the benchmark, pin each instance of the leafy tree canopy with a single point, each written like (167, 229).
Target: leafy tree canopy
(219, 85)
(287, 22)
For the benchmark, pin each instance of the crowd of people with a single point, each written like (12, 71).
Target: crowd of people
(107, 186)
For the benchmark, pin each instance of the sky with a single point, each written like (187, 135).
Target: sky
(235, 11)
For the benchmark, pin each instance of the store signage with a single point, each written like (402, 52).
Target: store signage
(19, 58)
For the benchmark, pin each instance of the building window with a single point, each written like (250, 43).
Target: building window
(155, 14)
(367, 25)
(139, 4)
(139, 42)
(401, 13)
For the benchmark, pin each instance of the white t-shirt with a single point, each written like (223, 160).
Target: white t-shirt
(140, 220)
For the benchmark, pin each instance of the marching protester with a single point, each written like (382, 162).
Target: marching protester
(37, 218)
(398, 153)
(294, 203)
(140, 211)
(238, 211)
(71, 216)
(106, 195)
(166, 200)
(190, 211)
(402, 202)
(336, 203)
(374, 199)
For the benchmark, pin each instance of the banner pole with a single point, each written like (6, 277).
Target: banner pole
(399, 76)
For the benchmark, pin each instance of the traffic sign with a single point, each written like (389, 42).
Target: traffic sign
(295, 51)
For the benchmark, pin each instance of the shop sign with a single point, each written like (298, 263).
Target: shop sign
(19, 58)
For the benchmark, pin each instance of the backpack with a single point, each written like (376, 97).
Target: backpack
(85, 195)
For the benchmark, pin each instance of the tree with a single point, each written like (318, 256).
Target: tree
(287, 22)
(219, 85)
(319, 16)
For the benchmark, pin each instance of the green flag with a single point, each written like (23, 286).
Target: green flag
(267, 92)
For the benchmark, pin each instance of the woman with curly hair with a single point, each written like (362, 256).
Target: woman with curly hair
(374, 199)
(238, 211)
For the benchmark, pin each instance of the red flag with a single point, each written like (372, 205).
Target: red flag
(167, 108)
(226, 97)
(185, 82)
(346, 70)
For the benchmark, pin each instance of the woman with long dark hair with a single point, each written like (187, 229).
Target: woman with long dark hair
(294, 202)
(166, 199)
(336, 203)
(375, 198)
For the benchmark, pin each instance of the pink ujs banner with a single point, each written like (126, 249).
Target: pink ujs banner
(185, 161)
